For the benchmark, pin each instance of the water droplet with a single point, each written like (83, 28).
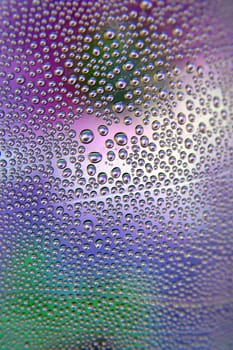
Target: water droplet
(91, 169)
(109, 34)
(88, 225)
(109, 143)
(99, 243)
(61, 163)
(86, 136)
(59, 71)
(189, 67)
(121, 138)
(103, 130)
(202, 127)
(72, 79)
(144, 141)
(139, 129)
(116, 172)
(123, 153)
(102, 178)
(95, 157)
(126, 178)
(67, 172)
(155, 125)
(146, 4)
(191, 158)
(118, 107)
(128, 66)
(111, 156)
(121, 84)
(181, 118)
(20, 80)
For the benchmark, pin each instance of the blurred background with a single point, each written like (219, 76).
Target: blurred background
(116, 177)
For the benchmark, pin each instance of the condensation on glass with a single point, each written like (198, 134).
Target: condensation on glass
(116, 191)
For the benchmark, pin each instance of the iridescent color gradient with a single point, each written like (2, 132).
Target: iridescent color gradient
(116, 185)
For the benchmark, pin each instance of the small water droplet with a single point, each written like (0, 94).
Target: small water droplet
(61, 163)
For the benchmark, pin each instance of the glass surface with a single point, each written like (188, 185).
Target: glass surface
(116, 226)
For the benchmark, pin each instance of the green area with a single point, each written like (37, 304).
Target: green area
(40, 309)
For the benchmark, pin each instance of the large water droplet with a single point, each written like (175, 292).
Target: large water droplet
(121, 138)
(95, 157)
(86, 136)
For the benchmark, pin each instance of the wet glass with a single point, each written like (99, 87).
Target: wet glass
(116, 185)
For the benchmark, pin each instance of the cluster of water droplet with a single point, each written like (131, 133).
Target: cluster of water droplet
(116, 182)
